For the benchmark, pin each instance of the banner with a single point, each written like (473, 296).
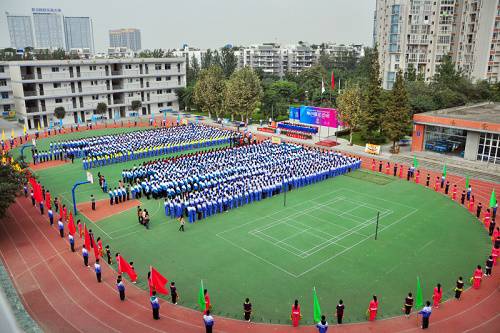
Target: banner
(372, 149)
(315, 115)
(294, 113)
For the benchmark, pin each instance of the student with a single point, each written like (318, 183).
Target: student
(408, 304)
(97, 268)
(477, 277)
(428, 180)
(489, 266)
(108, 254)
(486, 219)
(155, 306)
(247, 309)
(182, 223)
(426, 314)
(454, 193)
(469, 192)
(56, 204)
(209, 322)
(437, 295)
(462, 199)
(173, 292)
(71, 242)
(447, 187)
(51, 216)
(478, 210)
(340, 311)
(121, 287)
(436, 184)
(296, 316)
(459, 288)
(373, 308)
(85, 255)
(322, 326)
(492, 227)
(60, 226)
(92, 199)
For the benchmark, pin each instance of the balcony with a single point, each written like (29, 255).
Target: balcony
(116, 73)
(30, 93)
(27, 76)
(32, 109)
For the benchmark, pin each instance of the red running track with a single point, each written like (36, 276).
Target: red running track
(63, 296)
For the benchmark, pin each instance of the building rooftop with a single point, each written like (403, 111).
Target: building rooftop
(94, 61)
(484, 113)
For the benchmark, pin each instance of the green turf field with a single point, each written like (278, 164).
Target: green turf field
(323, 237)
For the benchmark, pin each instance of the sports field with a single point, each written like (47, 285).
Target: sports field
(275, 251)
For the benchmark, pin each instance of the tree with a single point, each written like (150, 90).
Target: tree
(243, 93)
(349, 107)
(59, 112)
(10, 183)
(278, 96)
(135, 105)
(185, 97)
(228, 61)
(101, 108)
(209, 89)
(158, 53)
(411, 73)
(373, 109)
(207, 59)
(397, 117)
(192, 70)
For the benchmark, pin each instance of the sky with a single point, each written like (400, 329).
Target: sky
(214, 23)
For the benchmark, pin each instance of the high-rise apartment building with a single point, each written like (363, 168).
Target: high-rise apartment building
(79, 85)
(129, 38)
(49, 30)
(420, 33)
(78, 33)
(20, 31)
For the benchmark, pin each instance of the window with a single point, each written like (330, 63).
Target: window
(169, 103)
(489, 148)
(128, 66)
(5, 95)
(158, 78)
(1, 69)
(95, 97)
(6, 108)
(3, 83)
(55, 69)
(168, 78)
(59, 100)
(158, 92)
(57, 85)
(160, 105)
(130, 80)
(445, 140)
(130, 94)
(157, 67)
(167, 66)
(169, 91)
(93, 68)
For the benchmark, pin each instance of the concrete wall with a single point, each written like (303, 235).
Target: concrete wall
(471, 146)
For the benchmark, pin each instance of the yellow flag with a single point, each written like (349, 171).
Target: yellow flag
(12, 134)
(3, 135)
(24, 130)
(38, 127)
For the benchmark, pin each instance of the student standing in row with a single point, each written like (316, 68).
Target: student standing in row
(97, 268)
(373, 308)
(340, 311)
(426, 314)
(459, 288)
(85, 254)
(322, 326)
(247, 309)
(209, 322)
(121, 287)
(437, 295)
(155, 306)
(173, 292)
(408, 304)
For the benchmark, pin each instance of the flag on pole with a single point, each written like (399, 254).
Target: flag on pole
(124, 266)
(322, 86)
(178, 118)
(201, 297)
(71, 225)
(493, 199)
(12, 134)
(333, 81)
(419, 298)
(317, 308)
(87, 238)
(157, 282)
(97, 253)
(38, 127)
(25, 130)
(3, 135)
(467, 182)
(444, 170)
(415, 161)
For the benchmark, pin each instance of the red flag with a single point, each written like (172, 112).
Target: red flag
(87, 237)
(71, 225)
(157, 282)
(96, 248)
(124, 266)
(333, 81)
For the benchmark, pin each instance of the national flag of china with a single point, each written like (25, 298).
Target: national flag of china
(87, 237)
(157, 282)
(124, 266)
(333, 81)
(71, 225)
(96, 248)
(47, 199)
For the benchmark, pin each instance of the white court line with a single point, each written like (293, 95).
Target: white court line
(375, 198)
(276, 242)
(356, 244)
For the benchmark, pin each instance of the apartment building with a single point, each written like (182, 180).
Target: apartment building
(79, 85)
(6, 96)
(267, 56)
(49, 29)
(20, 31)
(129, 38)
(420, 33)
(476, 50)
(78, 33)
(188, 52)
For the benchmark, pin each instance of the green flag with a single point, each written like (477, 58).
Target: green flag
(317, 309)
(419, 298)
(201, 297)
(415, 161)
(467, 182)
(444, 170)
(493, 199)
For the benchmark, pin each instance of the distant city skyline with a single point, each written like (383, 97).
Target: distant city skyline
(211, 24)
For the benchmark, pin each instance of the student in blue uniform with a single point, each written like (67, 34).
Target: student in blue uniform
(60, 227)
(97, 269)
(85, 254)
(71, 240)
(121, 288)
(155, 306)
(51, 216)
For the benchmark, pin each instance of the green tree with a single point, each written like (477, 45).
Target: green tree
(101, 108)
(145, 54)
(243, 93)
(135, 105)
(59, 112)
(207, 59)
(228, 61)
(421, 96)
(278, 96)
(10, 184)
(397, 117)
(373, 109)
(185, 97)
(157, 53)
(411, 73)
(192, 70)
(349, 107)
(209, 89)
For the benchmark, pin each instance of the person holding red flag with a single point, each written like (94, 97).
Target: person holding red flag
(71, 225)
(124, 266)
(208, 304)
(417, 177)
(373, 164)
(436, 184)
(80, 228)
(401, 167)
(486, 219)
(296, 315)
(478, 276)
(47, 199)
(373, 308)
(495, 252)
(454, 193)
(157, 282)
(437, 295)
